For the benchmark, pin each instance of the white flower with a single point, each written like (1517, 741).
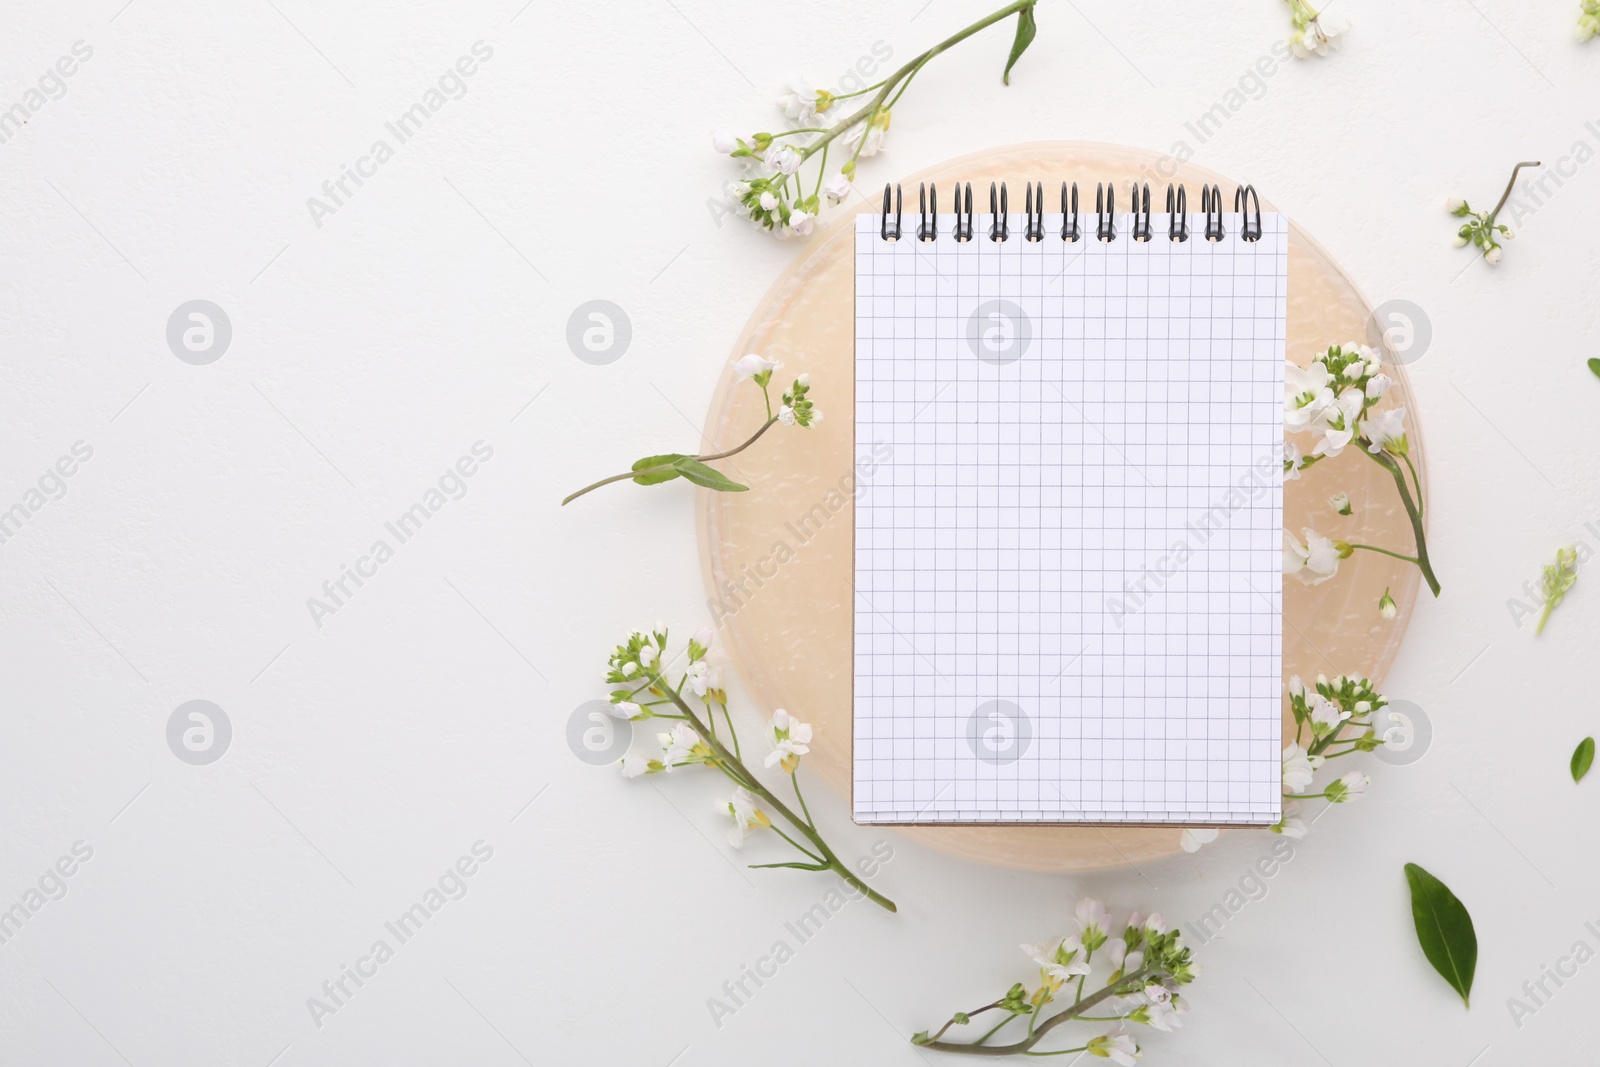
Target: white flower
(1299, 767)
(786, 414)
(625, 709)
(634, 765)
(723, 141)
(1060, 959)
(1454, 205)
(1337, 421)
(790, 739)
(679, 744)
(700, 678)
(874, 135)
(837, 188)
(1386, 608)
(1296, 687)
(1165, 1015)
(1387, 431)
(1157, 993)
(1115, 1046)
(1155, 923)
(1305, 393)
(1377, 385)
(1350, 787)
(783, 159)
(751, 365)
(1506, 233)
(648, 656)
(768, 202)
(1325, 714)
(802, 101)
(746, 816)
(1291, 825)
(1313, 562)
(1492, 256)
(1459, 240)
(1091, 916)
(1340, 503)
(1319, 37)
(801, 223)
(1291, 461)
(1194, 839)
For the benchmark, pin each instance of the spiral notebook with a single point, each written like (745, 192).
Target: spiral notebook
(1068, 570)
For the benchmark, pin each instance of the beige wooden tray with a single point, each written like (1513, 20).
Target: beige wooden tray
(781, 582)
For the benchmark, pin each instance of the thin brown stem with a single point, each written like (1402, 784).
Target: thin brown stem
(1507, 195)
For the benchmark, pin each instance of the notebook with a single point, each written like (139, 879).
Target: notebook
(1068, 570)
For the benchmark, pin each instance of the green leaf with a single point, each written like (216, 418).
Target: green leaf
(1444, 929)
(1027, 30)
(657, 477)
(1582, 758)
(795, 865)
(700, 474)
(1594, 365)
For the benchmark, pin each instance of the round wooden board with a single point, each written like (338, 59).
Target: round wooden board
(780, 587)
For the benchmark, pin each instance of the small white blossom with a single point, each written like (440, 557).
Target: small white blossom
(1299, 767)
(1060, 959)
(1165, 1015)
(1337, 422)
(724, 142)
(1340, 502)
(1306, 392)
(784, 159)
(804, 101)
(837, 189)
(790, 739)
(1377, 385)
(1455, 205)
(1387, 607)
(746, 816)
(801, 223)
(1351, 787)
(1115, 1046)
(786, 414)
(1325, 714)
(625, 709)
(648, 656)
(679, 744)
(751, 365)
(1193, 839)
(1492, 256)
(1318, 36)
(1387, 432)
(1313, 562)
(1291, 825)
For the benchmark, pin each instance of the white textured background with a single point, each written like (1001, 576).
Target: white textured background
(429, 313)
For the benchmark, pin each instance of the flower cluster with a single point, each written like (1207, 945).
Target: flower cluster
(1325, 710)
(775, 193)
(640, 668)
(1589, 20)
(1480, 230)
(1315, 33)
(1559, 577)
(1145, 966)
(1335, 397)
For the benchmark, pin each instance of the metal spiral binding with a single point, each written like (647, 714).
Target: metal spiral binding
(1105, 209)
(1033, 229)
(1141, 214)
(1069, 219)
(1177, 214)
(963, 230)
(1246, 204)
(928, 229)
(999, 221)
(1242, 198)
(883, 226)
(1211, 204)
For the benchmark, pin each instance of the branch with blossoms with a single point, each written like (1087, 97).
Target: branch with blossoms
(1481, 230)
(1323, 713)
(640, 669)
(773, 192)
(1145, 968)
(795, 410)
(1334, 396)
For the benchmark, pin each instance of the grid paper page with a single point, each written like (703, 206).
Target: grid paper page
(1068, 572)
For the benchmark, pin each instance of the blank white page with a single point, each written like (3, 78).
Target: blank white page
(1068, 571)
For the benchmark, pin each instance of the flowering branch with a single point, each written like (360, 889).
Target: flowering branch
(796, 410)
(1482, 231)
(1334, 396)
(774, 195)
(638, 668)
(1148, 965)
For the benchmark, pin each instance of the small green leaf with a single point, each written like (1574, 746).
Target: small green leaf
(711, 478)
(1594, 365)
(1444, 929)
(657, 477)
(1026, 31)
(1582, 758)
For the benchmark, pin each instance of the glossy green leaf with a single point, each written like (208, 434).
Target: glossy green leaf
(1444, 930)
(711, 478)
(1594, 365)
(1027, 30)
(1582, 758)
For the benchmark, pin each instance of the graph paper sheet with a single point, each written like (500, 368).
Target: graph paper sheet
(1068, 571)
